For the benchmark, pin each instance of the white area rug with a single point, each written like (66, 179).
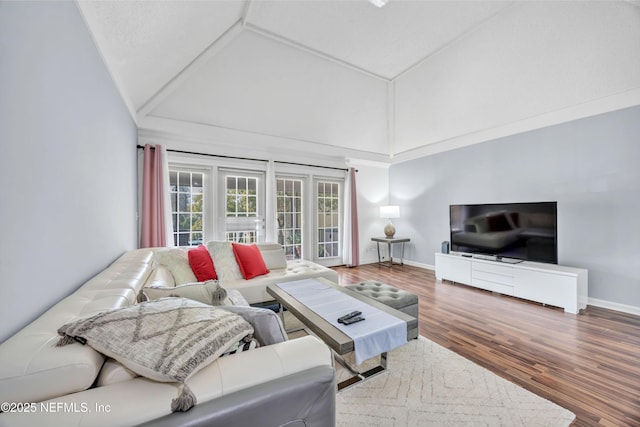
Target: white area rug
(428, 385)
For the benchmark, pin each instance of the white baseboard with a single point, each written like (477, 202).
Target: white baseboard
(614, 306)
(368, 261)
(407, 262)
(420, 265)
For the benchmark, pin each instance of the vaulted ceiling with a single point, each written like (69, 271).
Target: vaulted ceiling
(347, 78)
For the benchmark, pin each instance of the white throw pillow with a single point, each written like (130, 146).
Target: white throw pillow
(177, 261)
(209, 292)
(224, 261)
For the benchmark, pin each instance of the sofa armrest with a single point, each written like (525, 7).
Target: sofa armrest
(307, 398)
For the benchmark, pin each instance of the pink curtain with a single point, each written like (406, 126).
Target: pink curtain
(153, 224)
(355, 246)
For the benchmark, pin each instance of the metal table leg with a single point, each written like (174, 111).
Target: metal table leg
(357, 375)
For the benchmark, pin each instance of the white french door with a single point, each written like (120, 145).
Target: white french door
(290, 214)
(328, 224)
(241, 206)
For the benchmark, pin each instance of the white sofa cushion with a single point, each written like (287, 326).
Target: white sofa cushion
(114, 372)
(273, 255)
(129, 271)
(32, 369)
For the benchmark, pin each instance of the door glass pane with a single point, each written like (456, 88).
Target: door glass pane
(242, 220)
(186, 192)
(289, 214)
(328, 208)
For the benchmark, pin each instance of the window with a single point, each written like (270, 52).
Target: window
(243, 221)
(187, 201)
(289, 216)
(328, 226)
(214, 199)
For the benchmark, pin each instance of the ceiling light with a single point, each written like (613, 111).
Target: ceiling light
(379, 3)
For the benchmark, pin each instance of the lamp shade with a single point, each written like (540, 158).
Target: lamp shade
(379, 3)
(389, 211)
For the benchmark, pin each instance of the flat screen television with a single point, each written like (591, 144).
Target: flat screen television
(506, 231)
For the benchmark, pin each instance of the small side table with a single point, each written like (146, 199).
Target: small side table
(389, 242)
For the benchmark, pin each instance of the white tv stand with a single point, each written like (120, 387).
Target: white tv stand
(552, 284)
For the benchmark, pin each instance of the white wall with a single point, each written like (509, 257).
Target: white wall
(589, 166)
(67, 160)
(534, 62)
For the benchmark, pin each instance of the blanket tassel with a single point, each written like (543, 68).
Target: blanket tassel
(65, 340)
(185, 401)
(141, 297)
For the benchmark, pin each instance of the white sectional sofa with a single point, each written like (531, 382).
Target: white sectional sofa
(280, 383)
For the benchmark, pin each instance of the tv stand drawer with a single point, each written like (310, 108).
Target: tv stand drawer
(492, 286)
(492, 277)
(492, 267)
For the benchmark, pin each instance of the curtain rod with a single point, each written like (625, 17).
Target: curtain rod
(248, 158)
(313, 166)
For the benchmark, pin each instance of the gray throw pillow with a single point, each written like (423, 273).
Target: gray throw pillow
(166, 340)
(267, 326)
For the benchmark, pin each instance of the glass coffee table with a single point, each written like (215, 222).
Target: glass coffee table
(339, 342)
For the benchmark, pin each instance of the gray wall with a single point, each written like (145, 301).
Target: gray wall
(67, 160)
(591, 167)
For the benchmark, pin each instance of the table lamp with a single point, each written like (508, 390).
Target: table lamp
(389, 212)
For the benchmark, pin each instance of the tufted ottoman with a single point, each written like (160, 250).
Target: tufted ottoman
(388, 295)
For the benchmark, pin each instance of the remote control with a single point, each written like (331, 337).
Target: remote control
(349, 316)
(352, 320)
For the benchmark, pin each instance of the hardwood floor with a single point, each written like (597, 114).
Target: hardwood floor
(588, 363)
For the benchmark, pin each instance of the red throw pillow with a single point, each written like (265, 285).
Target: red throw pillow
(202, 264)
(249, 260)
